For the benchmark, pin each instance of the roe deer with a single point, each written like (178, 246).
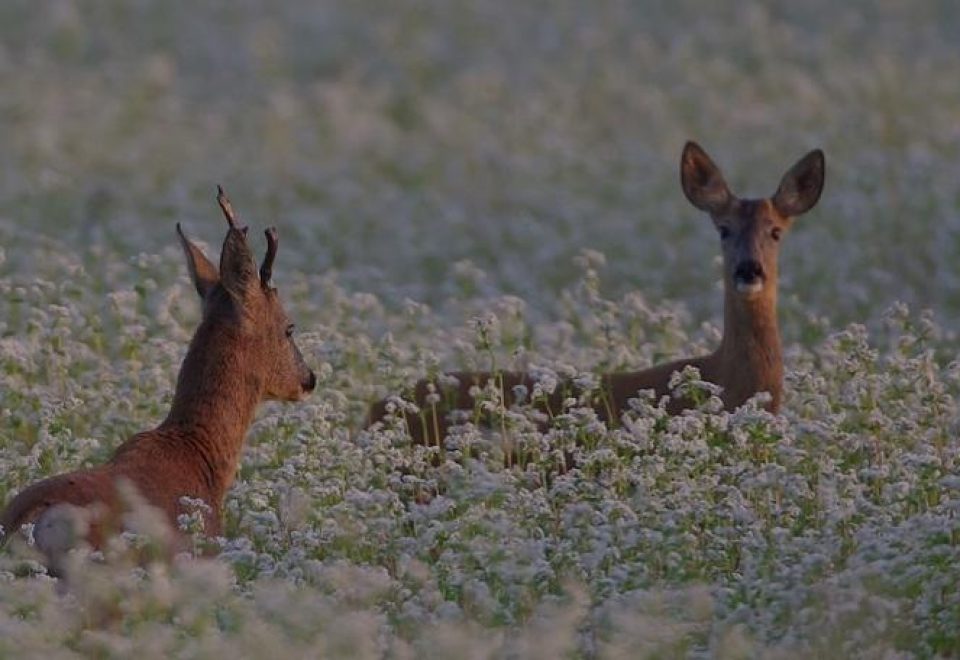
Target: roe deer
(748, 360)
(241, 354)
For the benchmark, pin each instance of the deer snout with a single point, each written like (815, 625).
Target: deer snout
(310, 383)
(749, 276)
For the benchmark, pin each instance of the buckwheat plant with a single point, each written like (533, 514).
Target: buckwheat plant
(487, 185)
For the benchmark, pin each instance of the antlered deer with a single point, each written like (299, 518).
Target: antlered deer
(748, 359)
(242, 353)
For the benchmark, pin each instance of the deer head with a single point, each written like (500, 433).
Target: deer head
(242, 313)
(750, 229)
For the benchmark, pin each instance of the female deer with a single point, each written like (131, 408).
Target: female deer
(748, 359)
(241, 354)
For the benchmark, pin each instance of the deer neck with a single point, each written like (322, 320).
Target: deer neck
(215, 401)
(750, 356)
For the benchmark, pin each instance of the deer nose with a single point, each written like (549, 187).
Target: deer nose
(748, 271)
(311, 383)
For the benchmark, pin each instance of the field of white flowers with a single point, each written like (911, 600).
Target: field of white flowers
(458, 184)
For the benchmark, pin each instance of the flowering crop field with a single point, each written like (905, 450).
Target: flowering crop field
(460, 185)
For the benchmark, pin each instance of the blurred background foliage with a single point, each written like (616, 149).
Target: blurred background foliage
(391, 141)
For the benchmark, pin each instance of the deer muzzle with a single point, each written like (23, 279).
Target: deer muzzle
(749, 277)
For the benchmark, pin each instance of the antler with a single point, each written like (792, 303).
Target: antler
(228, 211)
(266, 269)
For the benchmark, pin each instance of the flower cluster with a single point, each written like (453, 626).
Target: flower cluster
(492, 186)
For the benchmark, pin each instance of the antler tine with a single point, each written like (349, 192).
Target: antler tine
(266, 269)
(228, 211)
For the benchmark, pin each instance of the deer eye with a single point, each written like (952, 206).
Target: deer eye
(775, 233)
(724, 232)
(290, 329)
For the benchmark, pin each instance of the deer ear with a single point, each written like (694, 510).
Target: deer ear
(801, 186)
(203, 273)
(238, 273)
(702, 181)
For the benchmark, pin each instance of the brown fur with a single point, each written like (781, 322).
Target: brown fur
(241, 354)
(748, 359)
